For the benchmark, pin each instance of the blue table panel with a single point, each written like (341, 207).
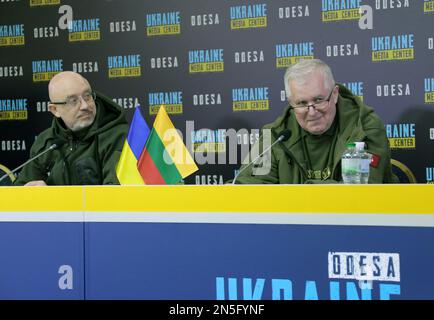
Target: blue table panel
(41, 260)
(249, 261)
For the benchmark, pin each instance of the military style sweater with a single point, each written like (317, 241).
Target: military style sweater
(89, 156)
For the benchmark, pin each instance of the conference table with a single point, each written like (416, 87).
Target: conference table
(242, 242)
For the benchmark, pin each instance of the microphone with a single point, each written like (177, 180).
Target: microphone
(283, 136)
(57, 143)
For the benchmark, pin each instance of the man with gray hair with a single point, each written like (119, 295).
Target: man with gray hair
(322, 117)
(88, 129)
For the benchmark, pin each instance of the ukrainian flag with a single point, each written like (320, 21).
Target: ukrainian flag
(138, 134)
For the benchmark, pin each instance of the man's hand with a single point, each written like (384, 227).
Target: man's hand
(35, 183)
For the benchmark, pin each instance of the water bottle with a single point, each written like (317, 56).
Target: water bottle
(350, 165)
(364, 162)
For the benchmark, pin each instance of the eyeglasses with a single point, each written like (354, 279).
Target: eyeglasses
(75, 101)
(319, 105)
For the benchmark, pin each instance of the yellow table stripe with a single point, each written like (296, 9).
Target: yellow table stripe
(370, 199)
(15, 199)
(293, 198)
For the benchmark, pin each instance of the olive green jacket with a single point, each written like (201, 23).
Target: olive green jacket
(89, 156)
(356, 122)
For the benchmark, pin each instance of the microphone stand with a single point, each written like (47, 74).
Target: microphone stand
(281, 138)
(52, 147)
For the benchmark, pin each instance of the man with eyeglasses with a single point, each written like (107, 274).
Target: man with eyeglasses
(322, 117)
(92, 129)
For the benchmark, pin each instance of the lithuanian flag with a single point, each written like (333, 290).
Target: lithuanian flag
(138, 134)
(165, 158)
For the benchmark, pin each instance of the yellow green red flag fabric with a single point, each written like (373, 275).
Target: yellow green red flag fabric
(165, 158)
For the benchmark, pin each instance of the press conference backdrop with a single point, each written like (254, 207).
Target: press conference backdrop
(218, 65)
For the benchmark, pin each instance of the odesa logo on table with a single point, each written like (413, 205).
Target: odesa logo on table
(360, 275)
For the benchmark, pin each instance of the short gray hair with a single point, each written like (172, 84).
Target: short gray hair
(300, 71)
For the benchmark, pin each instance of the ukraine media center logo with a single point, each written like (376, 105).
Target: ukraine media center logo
(163, 23)
(393, 47)
(290, 53)
(250, 99)
(124, 66)
(402, 135)
(206, 60)
(332, 10)
(206, 140)
(429, 90)
(13, 109)
(171, 100)
(428, 6)
(45, 70)
(12, 35)
(248, 16)
(84, 30)
(37, 3)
